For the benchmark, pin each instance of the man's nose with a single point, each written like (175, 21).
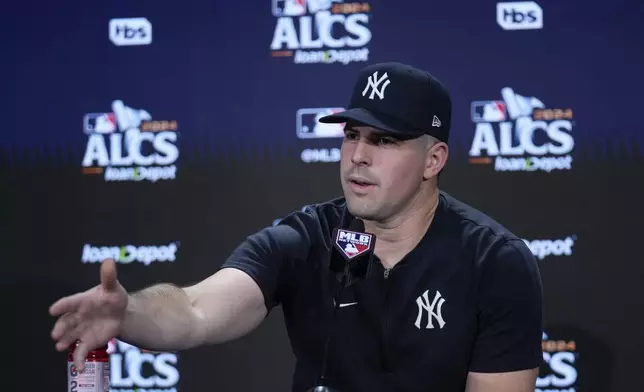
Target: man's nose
(361, 154)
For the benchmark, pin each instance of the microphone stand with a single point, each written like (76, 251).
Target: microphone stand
(321, 384)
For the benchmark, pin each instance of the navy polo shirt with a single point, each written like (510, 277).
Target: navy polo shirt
(467, 298)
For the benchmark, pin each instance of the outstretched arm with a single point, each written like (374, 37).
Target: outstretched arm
(164, 317)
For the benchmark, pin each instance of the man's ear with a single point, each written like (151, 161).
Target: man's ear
(436, 159)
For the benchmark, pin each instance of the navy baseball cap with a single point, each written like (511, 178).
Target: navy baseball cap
(399, 99)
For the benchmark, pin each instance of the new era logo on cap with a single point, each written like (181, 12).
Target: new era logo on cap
(399, 99)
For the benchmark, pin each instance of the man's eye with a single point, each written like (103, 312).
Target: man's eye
(350, 135)
(387, 141)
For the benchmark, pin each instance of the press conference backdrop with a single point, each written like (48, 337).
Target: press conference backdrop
(162, 134)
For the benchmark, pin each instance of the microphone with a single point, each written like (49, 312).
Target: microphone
(352, 253)
(350, 263)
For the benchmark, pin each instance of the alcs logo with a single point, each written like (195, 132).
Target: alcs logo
(130, 31)
(127, 145)
(321, 31)
(558, 372)
(137, 369)
(523, 15)
(528, 137)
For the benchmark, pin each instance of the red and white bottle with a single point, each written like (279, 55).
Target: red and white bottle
(95, 377)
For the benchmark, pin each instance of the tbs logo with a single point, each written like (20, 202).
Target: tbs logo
(130, 31)
(524, 15)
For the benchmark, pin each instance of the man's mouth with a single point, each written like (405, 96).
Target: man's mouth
(360, 183)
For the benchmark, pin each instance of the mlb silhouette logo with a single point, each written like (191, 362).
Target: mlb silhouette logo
(289, 7)
(488, 111)
(300, 7)
(352, 243)
(308, 125)
(99, 123)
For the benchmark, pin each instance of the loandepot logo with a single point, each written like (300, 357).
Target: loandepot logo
(520, 134)
(127, 145)
(544, 248)
(127, 254)
(321, 31)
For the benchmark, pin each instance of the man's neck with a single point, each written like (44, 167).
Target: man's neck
(399, 235)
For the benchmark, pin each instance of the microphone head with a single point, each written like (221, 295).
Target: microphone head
(321, 388)
(353, 253)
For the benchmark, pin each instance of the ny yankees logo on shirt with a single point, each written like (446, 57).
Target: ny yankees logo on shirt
(433, 309)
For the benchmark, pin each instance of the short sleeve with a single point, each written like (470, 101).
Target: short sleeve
(268, 256)
(510, 312)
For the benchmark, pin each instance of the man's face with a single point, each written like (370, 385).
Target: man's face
(380, 174)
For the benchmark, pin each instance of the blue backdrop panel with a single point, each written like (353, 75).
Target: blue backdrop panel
(163, 133)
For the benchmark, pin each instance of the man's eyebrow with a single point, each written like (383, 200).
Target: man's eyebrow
(386, 134)
(374, 134)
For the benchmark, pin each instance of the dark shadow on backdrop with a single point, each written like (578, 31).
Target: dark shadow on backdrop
(36, 364)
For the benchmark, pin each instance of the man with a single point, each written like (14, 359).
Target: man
(453, 301)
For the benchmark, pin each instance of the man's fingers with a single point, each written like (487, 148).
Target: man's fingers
(72, 327)
(66, 304)
(69, 335)
(65, 323)
(66, 341)
(80, 353)
(108, 274)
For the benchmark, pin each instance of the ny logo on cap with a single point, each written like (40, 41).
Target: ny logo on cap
(377, 85)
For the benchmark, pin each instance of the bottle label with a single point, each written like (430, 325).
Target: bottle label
(95, 377)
